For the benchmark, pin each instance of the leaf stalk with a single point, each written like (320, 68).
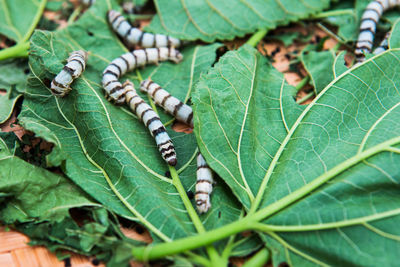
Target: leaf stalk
(256, 37)
(259, 259)
(22, 46)
(18, 50)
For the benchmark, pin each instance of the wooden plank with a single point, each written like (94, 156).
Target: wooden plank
(46, 258)
(11, 240)
(25, 257)
(6, 259)
(82, 261)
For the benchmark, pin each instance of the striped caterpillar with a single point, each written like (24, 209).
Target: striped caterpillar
(383, 46)
(146, 114)
(172, 105)
(130, 8)
(76, 62)
(204, 185)
(88, 2)
(369, 20)
(130, 61)
(134, 36)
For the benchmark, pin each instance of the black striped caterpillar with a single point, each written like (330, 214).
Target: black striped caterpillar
(383, 46)
(204, 185)
(369, 20)
(130, 8)
(76, 62)
(88, 2)
(150, 118)
(134, 36)
(172, 105)
(130, 61)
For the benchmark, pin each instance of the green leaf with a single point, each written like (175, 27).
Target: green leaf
(287, 38)
(326, 179)
(12, 79)
(225, 20)
(339, 66)
(37, 202)
(346, 15)
(15, 22)
(8, 143)
(394, 39)
(30, 193)
(55, 5)
(359, 155)
(319, 67)
(243, 109)
(98, 235)
(246, 246)
(102, 147)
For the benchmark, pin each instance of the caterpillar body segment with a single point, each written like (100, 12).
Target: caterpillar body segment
(76, 63)
(204, 185)
(150, 118)
(134, 36)
(88, 2)
(129, 61)
(383, 46)
(130, 8)
(369, 20)
(169, 103)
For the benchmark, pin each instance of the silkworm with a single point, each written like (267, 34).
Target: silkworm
(130, 61)
(383, 46)
(76, 62)
(169, 103)
(88, 2)
(150, 118)
(134, 36)
(369, 20)
(204, 185)
(130, 8)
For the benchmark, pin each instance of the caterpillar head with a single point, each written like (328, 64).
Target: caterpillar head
(203, 203)
(175, 56)
(113, 15)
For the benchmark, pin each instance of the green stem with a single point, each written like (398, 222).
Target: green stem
(189, 207)
(305, 98)
(169, 122)
(19, 50)
(256, 38)
(259, 259)
(327, 14)
(199, 259)
(192, 242)
(215, 258)
(34, 22)
(189, 161)
(303, 82)
(74, 14)
(317, 227)
(331, 34)
(22, 46)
